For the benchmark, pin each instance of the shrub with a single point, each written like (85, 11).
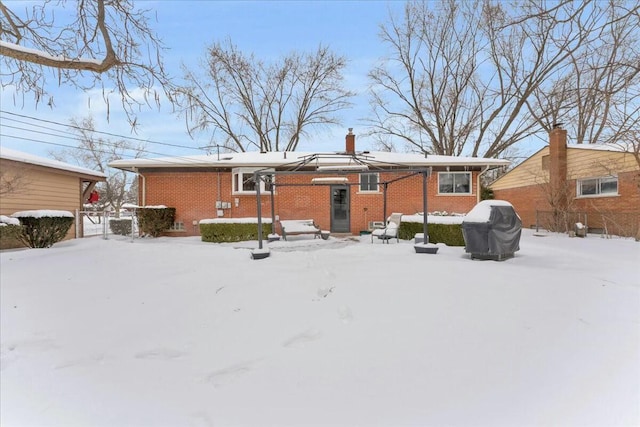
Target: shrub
(449, 234)
(10, 230)
(121, 226)
(42, 229)
(232, 232)
(155, 220)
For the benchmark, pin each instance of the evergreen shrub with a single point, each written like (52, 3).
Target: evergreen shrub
(120, 226)
(40, 231)
(449, 234)
(155, 221)
(232, 232)
(10, 236)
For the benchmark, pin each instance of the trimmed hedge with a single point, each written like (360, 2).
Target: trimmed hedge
(45, 231)
(449, 234)
(232, 232)
(10, 236)
(155, 221)
(121, 226)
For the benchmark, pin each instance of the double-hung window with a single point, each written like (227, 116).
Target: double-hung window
(369, 182)
(243, 182)
(605, 186)
(454, 183)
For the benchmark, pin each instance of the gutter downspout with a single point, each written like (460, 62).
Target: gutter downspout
(479, 185)
(142, 180)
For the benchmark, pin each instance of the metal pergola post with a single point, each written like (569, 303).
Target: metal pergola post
(273, 209)
(424, 207)
(384, 202)
(256, 179)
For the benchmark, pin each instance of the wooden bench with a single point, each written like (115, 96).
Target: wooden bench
(296, 227)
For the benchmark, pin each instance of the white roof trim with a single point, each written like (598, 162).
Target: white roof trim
(19, 156)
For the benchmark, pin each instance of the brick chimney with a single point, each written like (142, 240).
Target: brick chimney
(558, 162)
(350, 142)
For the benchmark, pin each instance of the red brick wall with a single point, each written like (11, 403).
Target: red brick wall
(194, 196)
(622, 212)
(525, 200)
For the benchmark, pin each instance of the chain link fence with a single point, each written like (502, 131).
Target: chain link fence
(624, 224)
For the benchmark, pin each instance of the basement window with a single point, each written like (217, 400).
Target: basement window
(177, 226)
(243, 181)
(594, 187)
(454, 183)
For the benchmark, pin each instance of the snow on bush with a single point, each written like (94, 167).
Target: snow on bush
(43, 228)
(5, 220)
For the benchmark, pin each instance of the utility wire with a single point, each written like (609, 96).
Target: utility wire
(75, 147)
(72, 136)
(99, 132)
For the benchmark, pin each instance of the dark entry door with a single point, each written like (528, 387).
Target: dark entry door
(340, 218)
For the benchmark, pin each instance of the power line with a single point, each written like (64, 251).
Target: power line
(75, 147)
(97, 131)
(72, 136)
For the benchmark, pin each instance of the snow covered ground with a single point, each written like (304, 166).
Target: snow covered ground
(342, 332)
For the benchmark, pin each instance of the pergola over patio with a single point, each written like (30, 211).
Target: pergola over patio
(333, 169)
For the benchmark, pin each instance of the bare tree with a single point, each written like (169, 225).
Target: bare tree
(12, 182)
(598, 97)
(106, 44)
(95, 153)
(265, 105)
(461, 72)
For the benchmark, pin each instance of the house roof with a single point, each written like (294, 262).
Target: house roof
(19, 156)
(279, 158)
(619, 148)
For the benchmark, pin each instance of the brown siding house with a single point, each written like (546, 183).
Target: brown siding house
(35, 183)
(595, 184)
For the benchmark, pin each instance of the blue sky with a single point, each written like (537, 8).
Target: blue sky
(269, 29)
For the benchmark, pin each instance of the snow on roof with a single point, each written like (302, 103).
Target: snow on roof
(280, 158)
(618, 147)
(482, 211)
(19, 156)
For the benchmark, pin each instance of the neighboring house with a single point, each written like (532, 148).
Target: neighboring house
(597, 185)
(342, 192)
(29, 182)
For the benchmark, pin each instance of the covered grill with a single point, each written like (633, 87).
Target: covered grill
(492, 230)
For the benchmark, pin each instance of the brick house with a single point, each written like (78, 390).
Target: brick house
(342, 192)
(595, 184)
(35, 183)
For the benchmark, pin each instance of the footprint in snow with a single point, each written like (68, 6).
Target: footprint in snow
(345, 314)
(303, 338)
(223, 376)
(160, 354)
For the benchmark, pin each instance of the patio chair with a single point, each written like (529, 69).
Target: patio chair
(391, 229)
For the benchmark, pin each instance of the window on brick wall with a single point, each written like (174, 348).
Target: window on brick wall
(593, 187)
(369, 182)
(177, 226)
(243, 181)
(454, 182)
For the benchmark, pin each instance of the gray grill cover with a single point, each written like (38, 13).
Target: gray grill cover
(497, 238)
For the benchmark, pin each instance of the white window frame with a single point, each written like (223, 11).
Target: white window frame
(456, 193)
(177, 226)
(240, 175)
(598, 182)
(362, 190)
